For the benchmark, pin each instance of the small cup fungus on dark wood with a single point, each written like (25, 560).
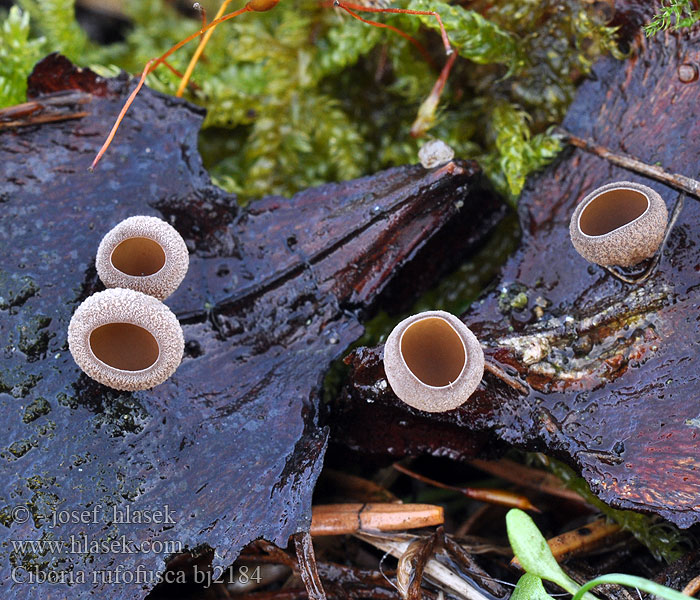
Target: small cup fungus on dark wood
(125, 339)
(620, 223)
(433, 362)
(145, 254)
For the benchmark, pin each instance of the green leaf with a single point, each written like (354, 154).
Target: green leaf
(634, 582)
(531, 549)
(530, 587)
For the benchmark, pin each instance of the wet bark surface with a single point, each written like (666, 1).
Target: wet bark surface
(230, 447)
(612, 368)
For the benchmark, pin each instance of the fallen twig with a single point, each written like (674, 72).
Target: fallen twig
(680, 182)
(339, 519)
(535, 479)
(49, 109)
(580, 540)
(307, 566)
(439, 574)
(492, 496)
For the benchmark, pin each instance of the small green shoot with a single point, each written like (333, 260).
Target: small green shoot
(530, 587)
(531, 549)
(634, 582)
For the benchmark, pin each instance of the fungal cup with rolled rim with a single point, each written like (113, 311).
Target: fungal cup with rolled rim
(145, 254)
(620, 223)
(125, 339)
(433, 362)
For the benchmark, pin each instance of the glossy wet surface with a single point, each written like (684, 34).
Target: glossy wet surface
(232, 444)
(613, 368)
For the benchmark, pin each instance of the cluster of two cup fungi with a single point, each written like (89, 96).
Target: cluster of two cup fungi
(127, 339)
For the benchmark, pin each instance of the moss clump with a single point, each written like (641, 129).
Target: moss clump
(304, 94)
(673, 15)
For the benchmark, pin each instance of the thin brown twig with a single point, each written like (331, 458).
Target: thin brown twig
(41, 119)
(680, 182)
(535, 479)
(49, 109)
(582, 540)
(307, 566)
(420, 557)
(692, 587)
(500, 497)
(496, 371)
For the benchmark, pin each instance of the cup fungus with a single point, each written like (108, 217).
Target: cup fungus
(143, 254)
(620, 223)
(433, 361)
(125, 339)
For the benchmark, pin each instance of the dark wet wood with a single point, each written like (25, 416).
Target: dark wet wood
(613, 367)
(233, 443)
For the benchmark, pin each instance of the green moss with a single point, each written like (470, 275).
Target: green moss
(18, 53)
(56, 21)
(304, 94)
(673, 15)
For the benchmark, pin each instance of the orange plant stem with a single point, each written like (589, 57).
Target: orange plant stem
(401, 11)
(150, 66)
(403, 34)
(200, 49)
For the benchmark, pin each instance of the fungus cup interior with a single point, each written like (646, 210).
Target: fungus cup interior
(124, 346)
(612, 209)
(138, 256)
(433, 351)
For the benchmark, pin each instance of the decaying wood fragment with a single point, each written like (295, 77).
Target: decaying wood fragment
(611, 363)
(233, 443)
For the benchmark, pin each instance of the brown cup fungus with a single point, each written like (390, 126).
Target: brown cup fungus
(433, 361)
(125, 339)
(145, 254)
(620, 223)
